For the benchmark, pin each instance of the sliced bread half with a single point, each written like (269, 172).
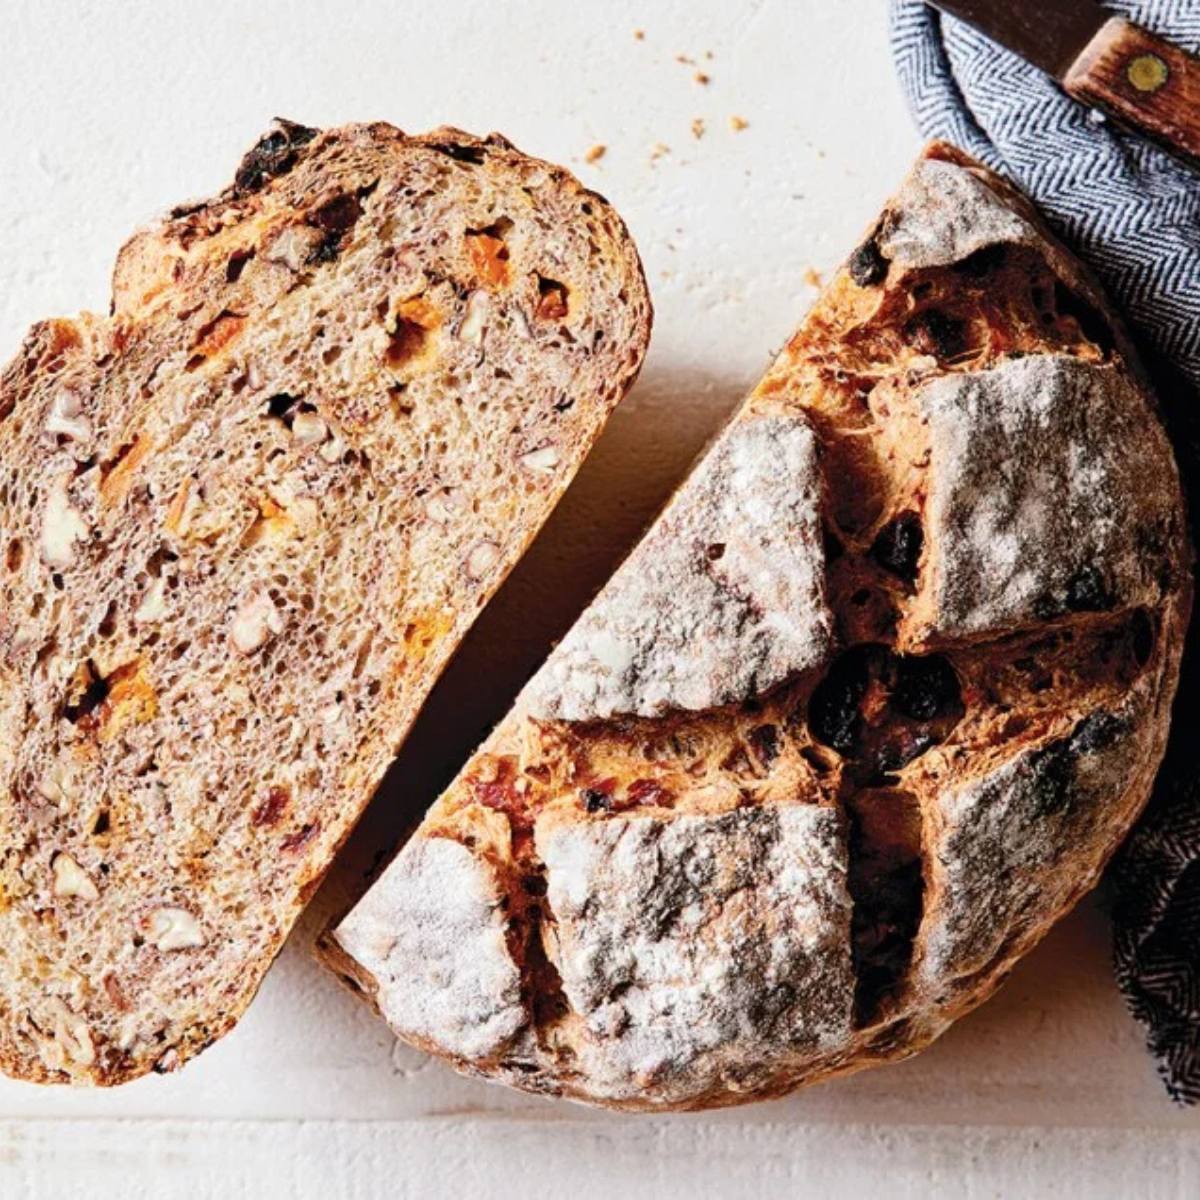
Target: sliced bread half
(246, 519)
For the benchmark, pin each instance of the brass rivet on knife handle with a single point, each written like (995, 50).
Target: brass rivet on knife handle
(1147, 72)
(1142, 80)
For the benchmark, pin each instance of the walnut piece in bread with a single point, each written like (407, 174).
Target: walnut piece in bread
(246, 520)
(864, 713)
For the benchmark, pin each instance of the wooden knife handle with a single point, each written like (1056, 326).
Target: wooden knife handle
(1142, 80)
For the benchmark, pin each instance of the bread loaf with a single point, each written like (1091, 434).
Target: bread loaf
(247, 517)
(864, 713)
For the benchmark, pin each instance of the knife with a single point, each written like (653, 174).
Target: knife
(1103, 61)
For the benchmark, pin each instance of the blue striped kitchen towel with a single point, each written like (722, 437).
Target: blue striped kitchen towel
(1132, 212)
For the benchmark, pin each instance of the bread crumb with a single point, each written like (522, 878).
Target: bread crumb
(702, 79)
(698, 127)
(737, 124)
(813, 278)
(639, 35)
(596, 153)
(683, 58)
(658, 150)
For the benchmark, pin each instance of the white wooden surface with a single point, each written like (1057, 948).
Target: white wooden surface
(111, 113)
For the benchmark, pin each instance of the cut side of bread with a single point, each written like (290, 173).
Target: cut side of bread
(247, 518)
(864, 713)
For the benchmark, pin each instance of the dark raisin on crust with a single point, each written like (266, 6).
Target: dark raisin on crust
(897, 547)
(1097, 731)
(273, 155)
(833, 711)
(1046, 607)
(937, 333)
(926, 687)
(595, 801)
(881, 710)
(866, 265)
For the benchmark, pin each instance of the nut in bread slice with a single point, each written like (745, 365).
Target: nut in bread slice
(246, 519)
(863, 714)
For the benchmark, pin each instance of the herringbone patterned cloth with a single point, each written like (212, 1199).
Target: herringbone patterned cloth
(1133, 214)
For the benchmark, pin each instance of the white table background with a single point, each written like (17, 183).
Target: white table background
(111, 113)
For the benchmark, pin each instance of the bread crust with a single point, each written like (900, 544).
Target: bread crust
(248, 517)
(963, 619)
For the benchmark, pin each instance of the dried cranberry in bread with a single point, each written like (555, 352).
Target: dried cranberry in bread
(863, 714)
(246, 520)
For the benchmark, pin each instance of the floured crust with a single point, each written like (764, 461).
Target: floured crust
(1002, 586)
(646, 913)
(722, 599)
(1081, 524)
(470, 1000)
(247, 518)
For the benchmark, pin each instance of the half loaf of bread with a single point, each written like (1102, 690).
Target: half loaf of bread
(864, 713)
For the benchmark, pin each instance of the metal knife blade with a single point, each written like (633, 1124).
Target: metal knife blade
(1051, 34)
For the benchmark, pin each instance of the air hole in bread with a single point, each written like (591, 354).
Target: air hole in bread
(983, 262)
(108, 623)
(280, 407)
(471, 155)
(237, 264)
(88, 691)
